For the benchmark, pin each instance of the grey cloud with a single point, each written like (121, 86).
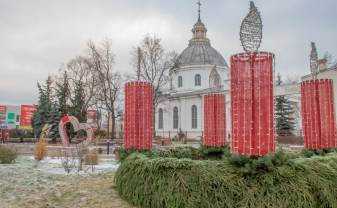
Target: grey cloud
(37, 36)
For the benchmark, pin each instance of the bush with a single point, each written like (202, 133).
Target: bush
(318, 152)
(7, 154)
(41, 149)
(91, 157)
(203, 152)
(278, 181)
(250, 165)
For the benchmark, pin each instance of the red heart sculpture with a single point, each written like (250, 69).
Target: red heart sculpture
(77, 126)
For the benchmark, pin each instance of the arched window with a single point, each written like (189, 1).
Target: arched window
(160, 119)
(214, 79)
(194, 117)
(175, 117)
(197, 80)
(180, 81)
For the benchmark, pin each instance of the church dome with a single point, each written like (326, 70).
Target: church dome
(199, 50)
(200, 53)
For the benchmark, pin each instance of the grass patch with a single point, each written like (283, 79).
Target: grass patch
(159, 179)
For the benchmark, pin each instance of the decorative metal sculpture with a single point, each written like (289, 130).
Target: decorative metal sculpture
(77, 126)
(251, 30)
(313, 60)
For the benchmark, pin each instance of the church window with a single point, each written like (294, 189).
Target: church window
(160, 119)
(180, 81)
(175, 117)
(197, 80)
(194, 117)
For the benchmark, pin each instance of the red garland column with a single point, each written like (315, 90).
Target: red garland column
(252, 103)
(318, 114)
(138, 114)
(215, 120)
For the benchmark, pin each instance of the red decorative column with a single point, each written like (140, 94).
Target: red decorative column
(215, 120)
(318, 114)
(138, 115)
(252, 103)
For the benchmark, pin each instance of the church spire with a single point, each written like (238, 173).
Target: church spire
(199, 30)
(199, 4)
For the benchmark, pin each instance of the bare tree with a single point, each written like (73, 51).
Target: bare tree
(80, 69)
(152, 64)
(109, 80)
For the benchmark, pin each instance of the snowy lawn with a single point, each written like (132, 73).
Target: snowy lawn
(29, 183)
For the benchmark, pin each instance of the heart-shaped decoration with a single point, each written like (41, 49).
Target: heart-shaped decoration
(77, 126)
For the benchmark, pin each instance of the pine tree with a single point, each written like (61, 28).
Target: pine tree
(62, 94)
(78, 102)
(42, 115)
(284, 115)
(283, 112)
(55, 117)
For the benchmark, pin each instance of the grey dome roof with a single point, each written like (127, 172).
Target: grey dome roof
(200, 53)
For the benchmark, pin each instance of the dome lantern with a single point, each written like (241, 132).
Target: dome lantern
(199, 30)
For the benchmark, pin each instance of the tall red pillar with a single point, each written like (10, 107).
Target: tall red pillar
(318, 114)
(138, 115)
(252, 103)
(215, 120)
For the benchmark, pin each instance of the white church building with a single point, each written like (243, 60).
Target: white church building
(200, 70)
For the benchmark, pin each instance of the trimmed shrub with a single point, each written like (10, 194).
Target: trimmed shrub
(275, 181)
(316, 152)
(7, 154)
(203, 152)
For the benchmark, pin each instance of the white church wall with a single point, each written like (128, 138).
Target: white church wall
(188, 76)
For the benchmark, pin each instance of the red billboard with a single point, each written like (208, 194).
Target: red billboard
(27, 112)
(3, 110)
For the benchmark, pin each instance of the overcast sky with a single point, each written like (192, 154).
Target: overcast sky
(36, 37)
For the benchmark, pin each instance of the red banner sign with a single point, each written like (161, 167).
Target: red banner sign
(3, 109)
(27, 112)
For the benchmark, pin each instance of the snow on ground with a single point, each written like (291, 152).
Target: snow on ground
(29, 183)
(54, 166)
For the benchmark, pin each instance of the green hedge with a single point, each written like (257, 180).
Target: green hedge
(203, 152)
(155, 181)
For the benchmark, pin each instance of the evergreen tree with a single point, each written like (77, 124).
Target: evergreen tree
(283, 112)
(42, 115)
(55, 117)
(78, 102)
(284, 115)
(62, 94)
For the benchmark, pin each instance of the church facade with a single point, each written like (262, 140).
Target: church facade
(200, 70)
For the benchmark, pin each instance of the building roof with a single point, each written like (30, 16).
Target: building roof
(199, 50)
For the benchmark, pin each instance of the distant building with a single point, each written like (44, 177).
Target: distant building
(12, 116)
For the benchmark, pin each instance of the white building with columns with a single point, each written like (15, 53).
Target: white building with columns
(200, 70)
